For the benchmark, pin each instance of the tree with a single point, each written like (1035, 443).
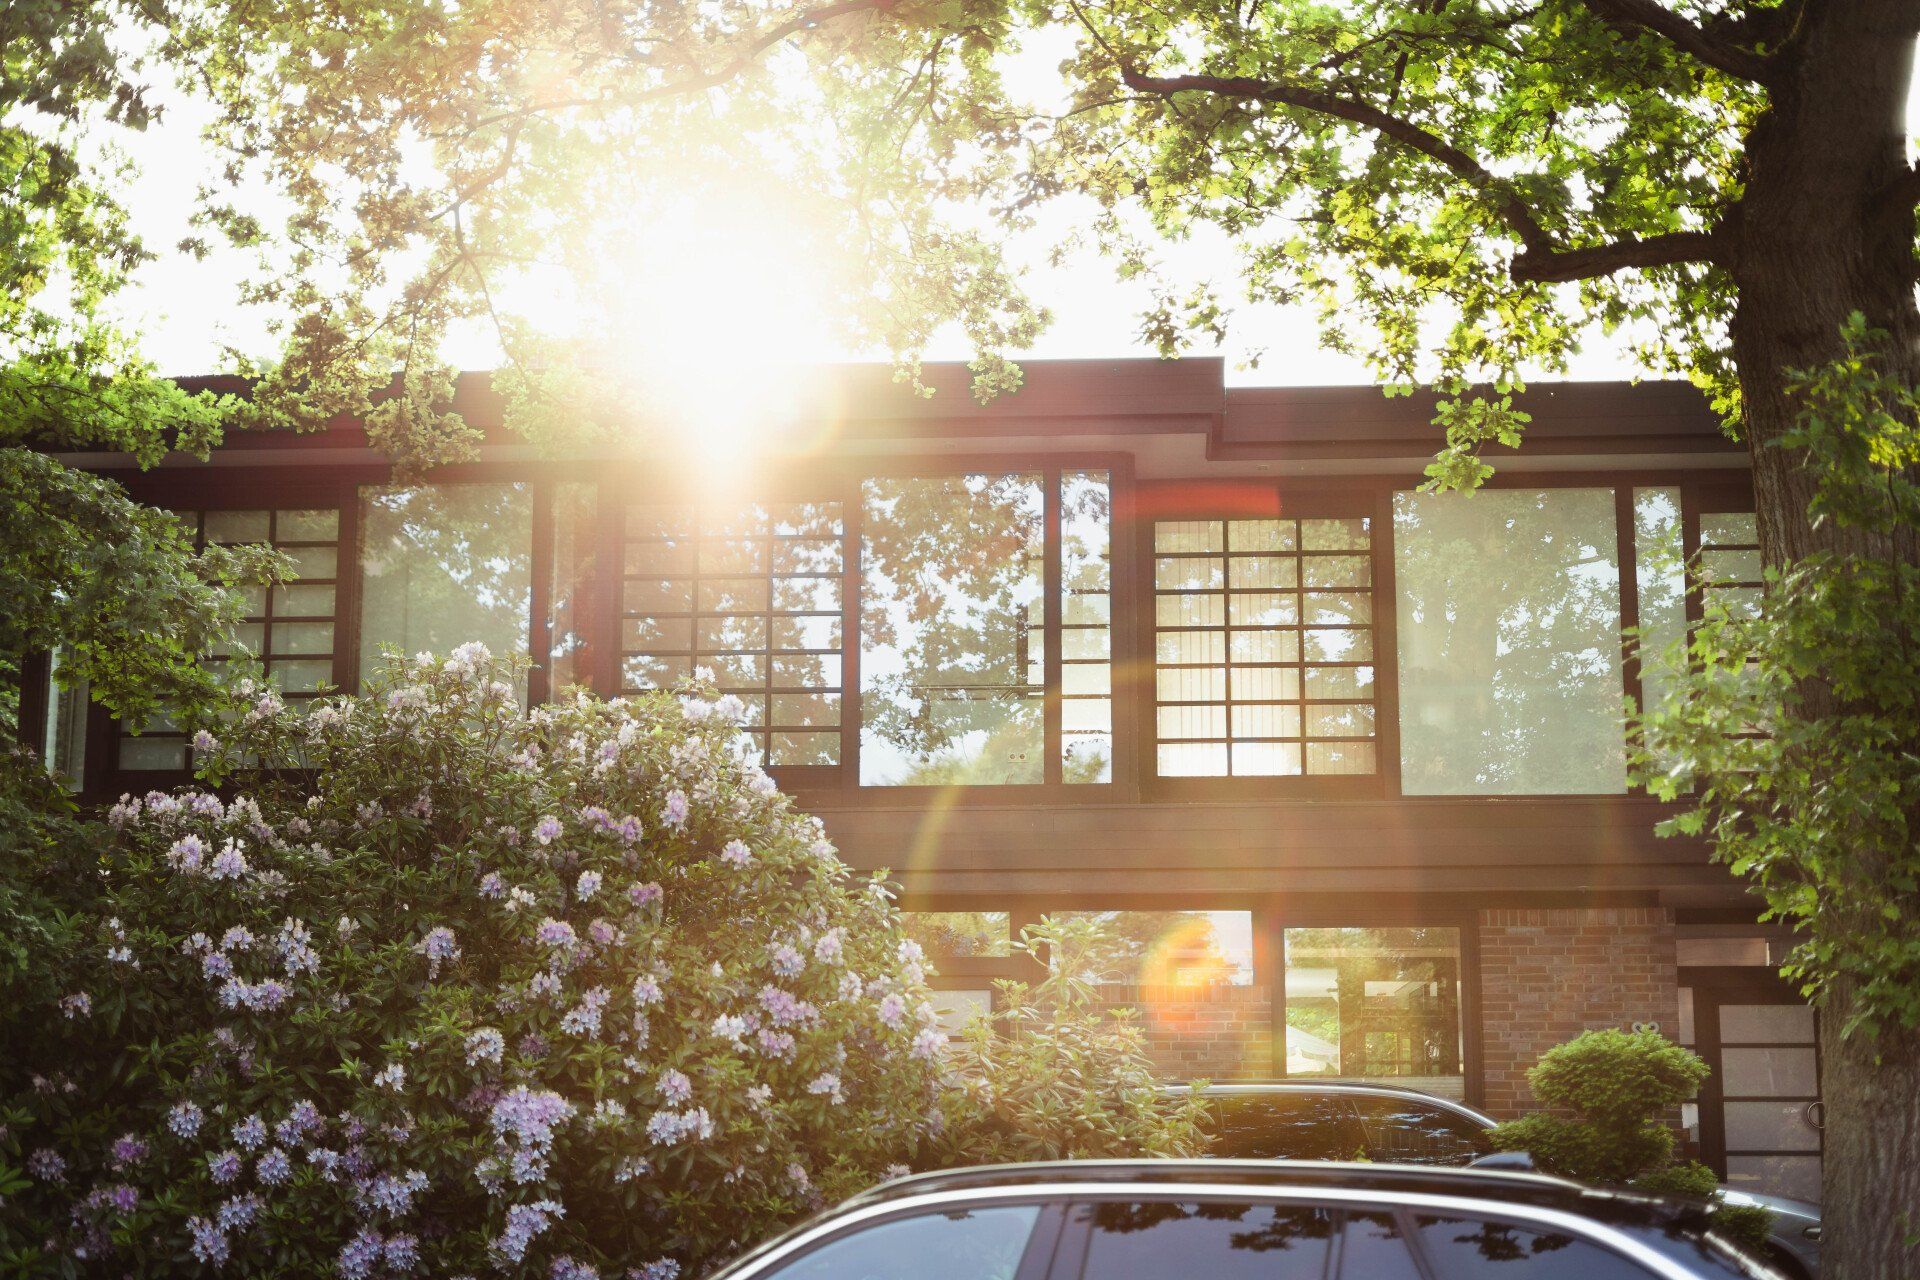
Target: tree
(111, 585)
(1464, 190)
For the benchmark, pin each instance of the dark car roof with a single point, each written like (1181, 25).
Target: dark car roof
(1258, 1088)
(1495, 1186)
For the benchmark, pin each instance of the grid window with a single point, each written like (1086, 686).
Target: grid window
(1086, 628)
(1730, 575)
(1264, 650)
(288, 628)
(755, 597)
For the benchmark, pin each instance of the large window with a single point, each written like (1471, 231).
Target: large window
(1660, 581)
(752, 595)
(442, 565)
(1168, 948)
(1509, 640)
(952, 630)
(289, 629)
(1375, 1004)
(1263, 647)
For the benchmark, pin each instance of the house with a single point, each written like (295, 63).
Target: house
(1338, 764)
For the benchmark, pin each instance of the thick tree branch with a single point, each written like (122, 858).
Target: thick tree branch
(1649, 15)
(1513, 211)
(1553, 266)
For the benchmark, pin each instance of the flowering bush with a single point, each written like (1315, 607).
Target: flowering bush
(567, 993)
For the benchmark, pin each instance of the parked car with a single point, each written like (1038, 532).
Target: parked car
(1341, 1120)
(1247, 1220)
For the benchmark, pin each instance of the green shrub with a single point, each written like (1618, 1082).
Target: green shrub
(562, 993)
(1053, 1073)
(1616, 1093)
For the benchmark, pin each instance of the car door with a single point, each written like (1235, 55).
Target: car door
(1415, 1131)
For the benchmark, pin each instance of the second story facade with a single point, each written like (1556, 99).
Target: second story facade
(1122, 597)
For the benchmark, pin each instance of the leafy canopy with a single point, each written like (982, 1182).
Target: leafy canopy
(1793, 738)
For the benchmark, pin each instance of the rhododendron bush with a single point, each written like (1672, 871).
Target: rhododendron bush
(483, 992)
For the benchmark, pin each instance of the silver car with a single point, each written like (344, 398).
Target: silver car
(1247, 1220)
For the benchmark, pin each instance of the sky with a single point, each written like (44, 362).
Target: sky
(184, 308)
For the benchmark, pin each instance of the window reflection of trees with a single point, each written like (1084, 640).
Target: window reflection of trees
(1168, 947)
(1509, 636)
(1494, 1241)
(952, 630)
(1373, 1002)
(445, 564)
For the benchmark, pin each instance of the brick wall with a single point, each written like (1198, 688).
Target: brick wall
(1547, 975)
(1220, 1033)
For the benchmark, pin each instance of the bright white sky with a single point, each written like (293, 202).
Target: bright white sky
(185, 308)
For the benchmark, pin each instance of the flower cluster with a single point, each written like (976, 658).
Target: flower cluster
(585, 945)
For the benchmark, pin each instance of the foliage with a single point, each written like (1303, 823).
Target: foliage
(483, 992)
(81, 566)
(1459, 192)
(1052, 1073)
(116, 587)
(502, 987)
(1792, 735)
(1613, 1095)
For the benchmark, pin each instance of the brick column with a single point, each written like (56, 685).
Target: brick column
(1548, 975)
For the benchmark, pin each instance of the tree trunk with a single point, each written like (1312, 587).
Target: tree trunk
(1823, 231)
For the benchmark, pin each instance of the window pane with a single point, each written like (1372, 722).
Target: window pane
(1659, 574)
(303, 676)
(302, 637)
(953, 569)
(1408, 1131)
(1371, 1248)
(1375, 1003)
(1170, 948)
(576, 509)
(1460, 1249)
(306, 526)
(959, 1244)
(1151, 1239)
(1729, 529)
(238, 526)
(1187, 536)
(1509, 639)
(150, 752)
(1285, 1126)
(64, 738)
(444, 564)
(313, 562)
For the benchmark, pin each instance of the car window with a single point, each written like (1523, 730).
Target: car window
(1170, 1240)
(1372, 1248)
(1285, 1126)
(960, 1244)
(1467, 1249)
(1409, 1131)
